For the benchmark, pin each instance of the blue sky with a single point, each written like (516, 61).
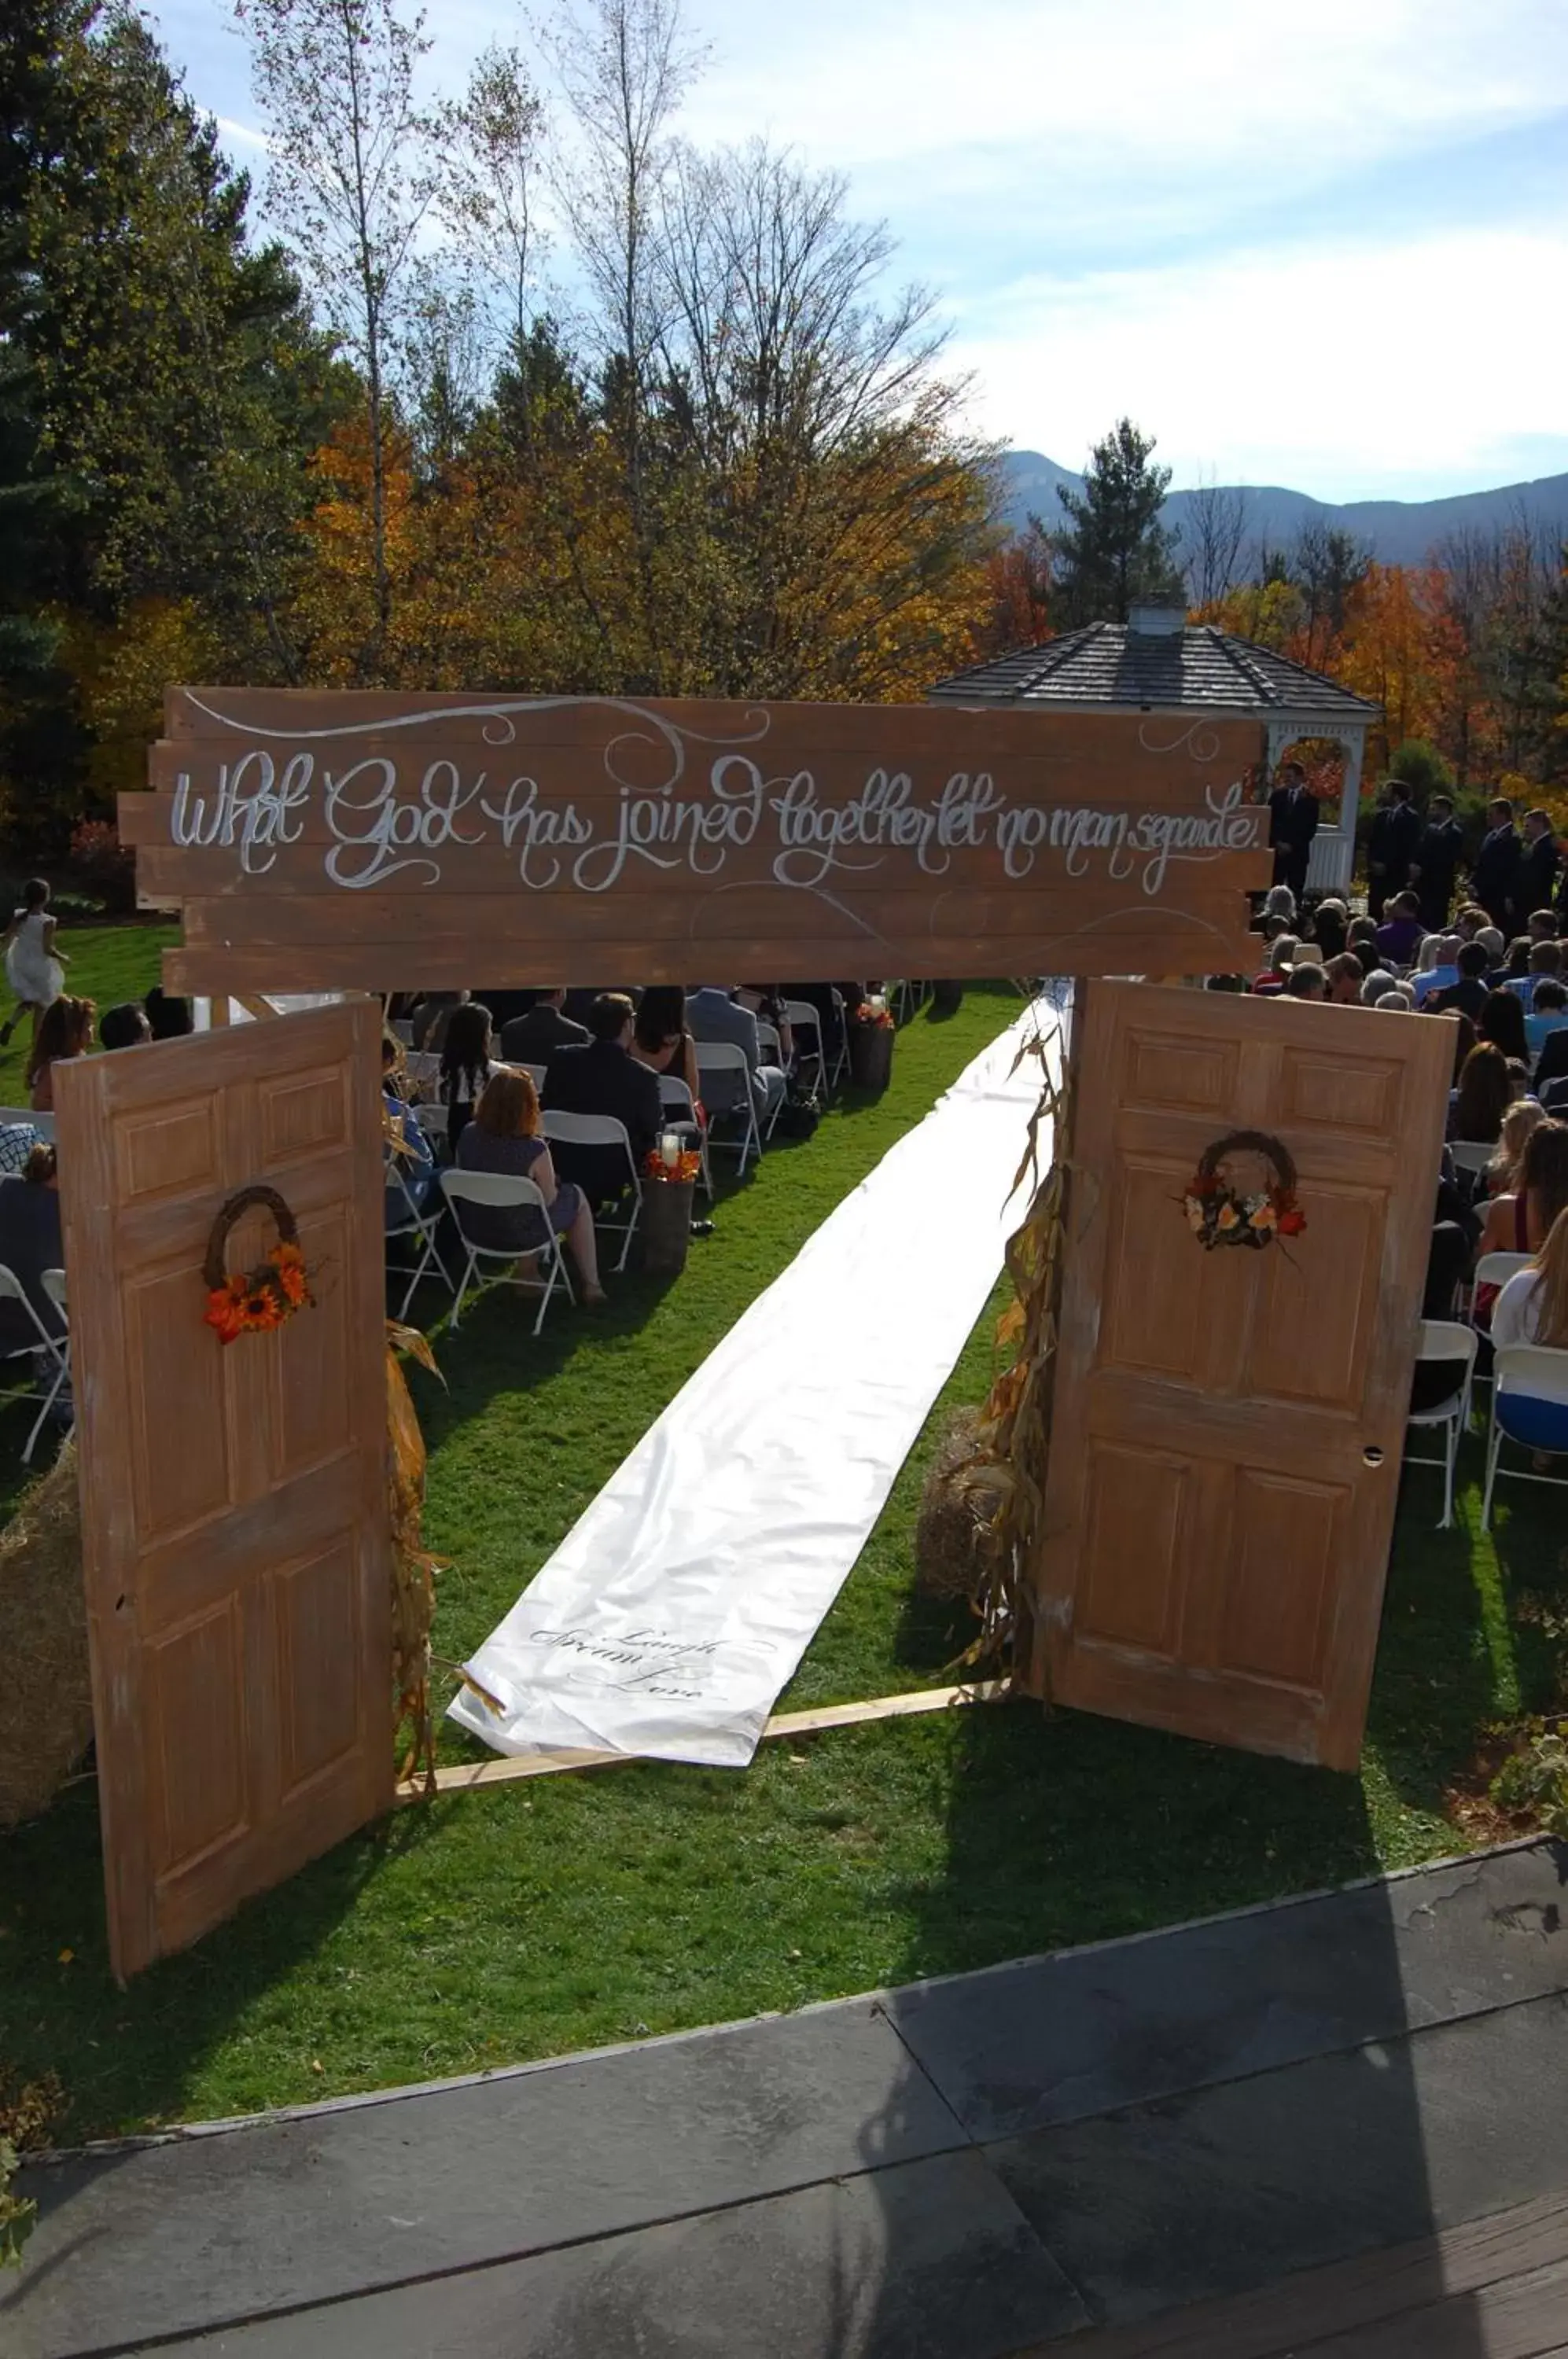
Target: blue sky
(1325, 246)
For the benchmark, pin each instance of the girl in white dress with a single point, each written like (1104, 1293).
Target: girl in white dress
(34, 968)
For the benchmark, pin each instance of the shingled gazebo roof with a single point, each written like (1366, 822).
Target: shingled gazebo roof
(1161, 667)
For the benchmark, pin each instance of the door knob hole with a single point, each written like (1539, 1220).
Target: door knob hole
(1372, 1455)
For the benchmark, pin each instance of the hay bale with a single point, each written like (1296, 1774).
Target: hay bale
(46, 1725)
(956, 1505)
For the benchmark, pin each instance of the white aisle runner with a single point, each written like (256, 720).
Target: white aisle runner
(677, 1608)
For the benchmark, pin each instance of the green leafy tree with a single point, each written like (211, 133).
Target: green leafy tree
(1115, 552)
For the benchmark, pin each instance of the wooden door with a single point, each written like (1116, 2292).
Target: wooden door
(1227, 1425)
(236, 1536)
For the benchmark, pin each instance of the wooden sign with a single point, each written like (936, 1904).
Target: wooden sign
(360, 840)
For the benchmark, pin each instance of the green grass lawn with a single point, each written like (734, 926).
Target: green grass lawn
(538, 1917)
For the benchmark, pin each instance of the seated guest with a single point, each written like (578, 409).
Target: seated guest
(604, 1077)
(1490, 940)
(533, 1037)
(712, 1015)
(1549, 1014)
(1469, 994)
(1331, 922)
(64, 1033)
(1516, 958)
(124, 1027)
(1363, 937)
(1542, 927)
(31, 1243)
(169, 1016)
(579, 1001)
(1344, 977)
(1469, 921)
(1522, 1222)
(429, 1015)
(504, 1137)
(1280, 902)
(766, 1001)
(1437, 966)
(466, 1065)
(1378, 982)
(660, 1039)
(1484, 1093)
(818, 997)
(1464, 1037)
(1398, 1000)
(1282, 958)
(1532, 1308)
(1400, 937)
(1523, 1118)
(1306, 982)
(408, 1151)
(1543, 962)
(505, 1005)
(1502, 1020)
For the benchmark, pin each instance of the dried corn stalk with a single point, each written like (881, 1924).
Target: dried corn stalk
(413, 1568)
(1007, 1480)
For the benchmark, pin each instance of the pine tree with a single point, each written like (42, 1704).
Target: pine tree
(1116, 553)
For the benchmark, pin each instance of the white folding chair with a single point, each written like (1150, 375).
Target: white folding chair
(600, 1130)
(1469, 1155)
(424, 1068)
(53, 1284)
(535, 1074)
(681, 1116)
(410, 1221)
(506, 1193)
(841, 1062)
(403, 1030)
(48, 1364)
(1529, 1408)
(433, 1121)
(802, 1017)
(772, 1051)
(42, 1123)
(1494, 1269)
(1445, 1343)
(726, 1058)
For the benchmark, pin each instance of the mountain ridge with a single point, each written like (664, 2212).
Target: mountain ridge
(1400, 532)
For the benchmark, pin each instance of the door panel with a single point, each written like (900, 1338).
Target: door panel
(1227, 1425)
(235, 1519)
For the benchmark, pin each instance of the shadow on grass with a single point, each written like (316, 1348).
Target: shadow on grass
(130, 2056)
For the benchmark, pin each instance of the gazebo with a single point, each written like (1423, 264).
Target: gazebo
(1159, 663)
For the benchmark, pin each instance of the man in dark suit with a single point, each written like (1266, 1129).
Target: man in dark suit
(1494, 877)
(1392, 843)
(1537, 879)
(533, 1036)
(1292, 823)
(1439, 852)
(604, 1078)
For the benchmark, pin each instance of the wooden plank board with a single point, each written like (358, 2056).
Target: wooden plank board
(1510, 2271)
(336, 829)
(504, 965)
(465, 1777)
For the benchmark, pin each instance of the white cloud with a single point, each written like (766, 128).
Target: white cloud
(1089, 92)
(1380, 369)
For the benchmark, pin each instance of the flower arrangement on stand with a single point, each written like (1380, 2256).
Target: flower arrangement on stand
(255, 1302)
(1219, 1213)
(681, 1170)
(871, 1037)
(670, 1171)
